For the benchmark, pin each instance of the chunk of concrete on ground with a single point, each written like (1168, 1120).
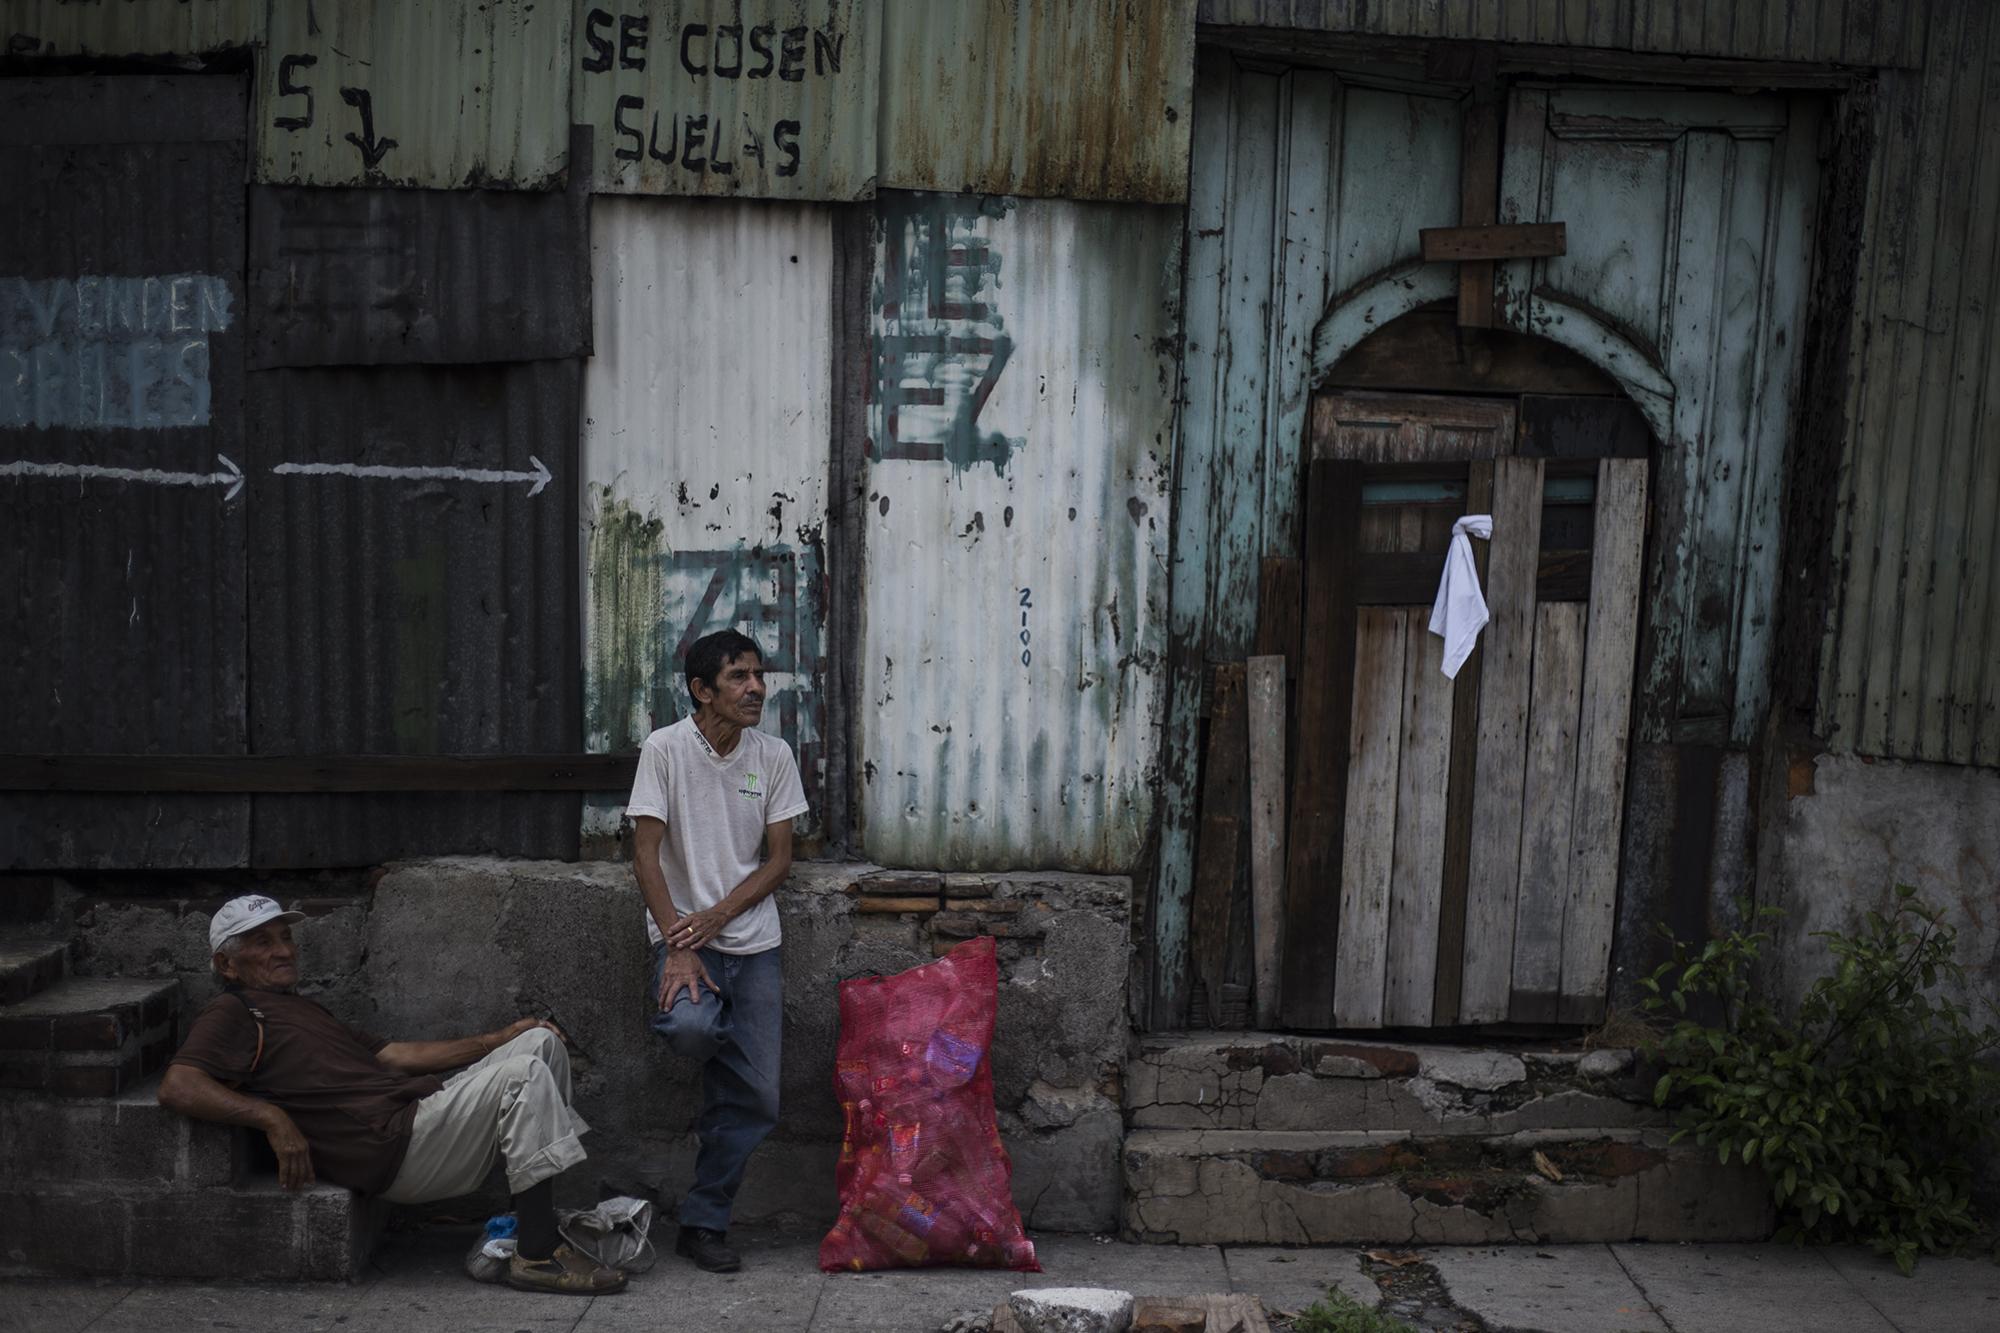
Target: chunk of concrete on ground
(1072, 1310)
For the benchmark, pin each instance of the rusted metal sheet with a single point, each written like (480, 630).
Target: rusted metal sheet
(1911, 659)
(365, 277)
(445, 94)
(1014, 613)
(1804, 30)
(414, 535)
(121, 429)
(769, 99)
(55, 28)
(707, 414)
(1038, 97)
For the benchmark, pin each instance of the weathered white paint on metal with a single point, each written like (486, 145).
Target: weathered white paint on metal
(1021, 423)
(1304, 190)
(443, 94)
(1690, 218)
(1689, 221)
(707, 412)
(1910, 665)
(753, 98)
(1038, 97)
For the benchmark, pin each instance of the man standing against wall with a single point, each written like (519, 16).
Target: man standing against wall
(712, 789)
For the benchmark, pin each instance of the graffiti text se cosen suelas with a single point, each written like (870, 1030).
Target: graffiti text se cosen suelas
(644, 129)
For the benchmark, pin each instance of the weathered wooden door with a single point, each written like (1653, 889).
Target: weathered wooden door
(1455, 842)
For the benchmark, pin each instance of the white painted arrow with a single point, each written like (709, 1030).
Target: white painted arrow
(230, 475)
(541, 476)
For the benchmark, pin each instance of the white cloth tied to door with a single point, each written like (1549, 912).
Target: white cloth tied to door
(1459, 612)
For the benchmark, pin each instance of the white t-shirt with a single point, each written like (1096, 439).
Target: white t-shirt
(715, 809)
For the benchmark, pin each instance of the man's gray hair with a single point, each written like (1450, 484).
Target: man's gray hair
(232, 947)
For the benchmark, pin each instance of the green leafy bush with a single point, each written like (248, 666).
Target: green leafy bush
(1867, 1111)
(1341, 1313)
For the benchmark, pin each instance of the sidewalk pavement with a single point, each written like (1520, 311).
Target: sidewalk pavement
(418, 1285)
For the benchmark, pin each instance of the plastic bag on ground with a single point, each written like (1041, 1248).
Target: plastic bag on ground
(616, 1233)
(487, 1260)
(923, 1178)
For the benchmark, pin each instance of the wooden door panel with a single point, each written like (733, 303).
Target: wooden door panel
(1547, 796)
(1416, 882)
(1411, 428)
(1604, 732)
(1369, 832)
(1319, 781)
(1493, 874)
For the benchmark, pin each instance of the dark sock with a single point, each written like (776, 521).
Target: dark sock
(535, 1221)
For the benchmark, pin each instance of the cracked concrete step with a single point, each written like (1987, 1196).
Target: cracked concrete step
(1330, 1187)
(1284, 1082)
(30, 964)
(255, 1232)
(88, 1036)
(128, 1138)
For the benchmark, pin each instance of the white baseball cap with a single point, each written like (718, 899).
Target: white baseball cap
(246, 913)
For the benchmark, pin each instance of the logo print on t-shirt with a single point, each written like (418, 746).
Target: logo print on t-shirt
(749, 787)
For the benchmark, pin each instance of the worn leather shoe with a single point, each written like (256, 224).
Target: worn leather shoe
(566, 1272)
(709, 1250)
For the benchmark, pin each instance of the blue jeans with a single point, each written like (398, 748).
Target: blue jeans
(735, 1031)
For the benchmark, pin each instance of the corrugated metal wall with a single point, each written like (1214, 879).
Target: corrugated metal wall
(767, 99)
(130, 27)
(708, 409)
(1038, 97)
(1854, 32)
(784, 99)
(122, 523)
(1016, 528)
(406, 277)
(1911, 666)
(441, 93)
(413, 614)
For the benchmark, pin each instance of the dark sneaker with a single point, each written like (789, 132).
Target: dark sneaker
(565, 1272)
(709, 1250)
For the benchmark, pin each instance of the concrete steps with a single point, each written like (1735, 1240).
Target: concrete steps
(101, 1181)
(29, 964)
(1286, 1140)
(248, 1232)
(89, 1036)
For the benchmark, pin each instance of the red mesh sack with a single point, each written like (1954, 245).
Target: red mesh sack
(923, 1178)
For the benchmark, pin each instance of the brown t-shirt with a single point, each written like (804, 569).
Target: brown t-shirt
(354, 1111)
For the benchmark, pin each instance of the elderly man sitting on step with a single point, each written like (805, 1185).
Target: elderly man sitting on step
(340, 1105)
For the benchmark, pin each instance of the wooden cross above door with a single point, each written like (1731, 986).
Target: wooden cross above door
(1480, 238)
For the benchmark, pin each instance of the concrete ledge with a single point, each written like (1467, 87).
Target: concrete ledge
(250, 1233)
(1304, 1188)
(463, 944)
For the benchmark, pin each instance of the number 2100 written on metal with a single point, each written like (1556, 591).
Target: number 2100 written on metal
(1027, 604)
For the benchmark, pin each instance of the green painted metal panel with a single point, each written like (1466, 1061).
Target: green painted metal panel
(1038, 97)
(1302, 187)
(1690, 217)
(770, 99)
(56, 28)
(443, 94)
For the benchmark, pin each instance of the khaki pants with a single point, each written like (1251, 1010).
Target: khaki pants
(514, 1104)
